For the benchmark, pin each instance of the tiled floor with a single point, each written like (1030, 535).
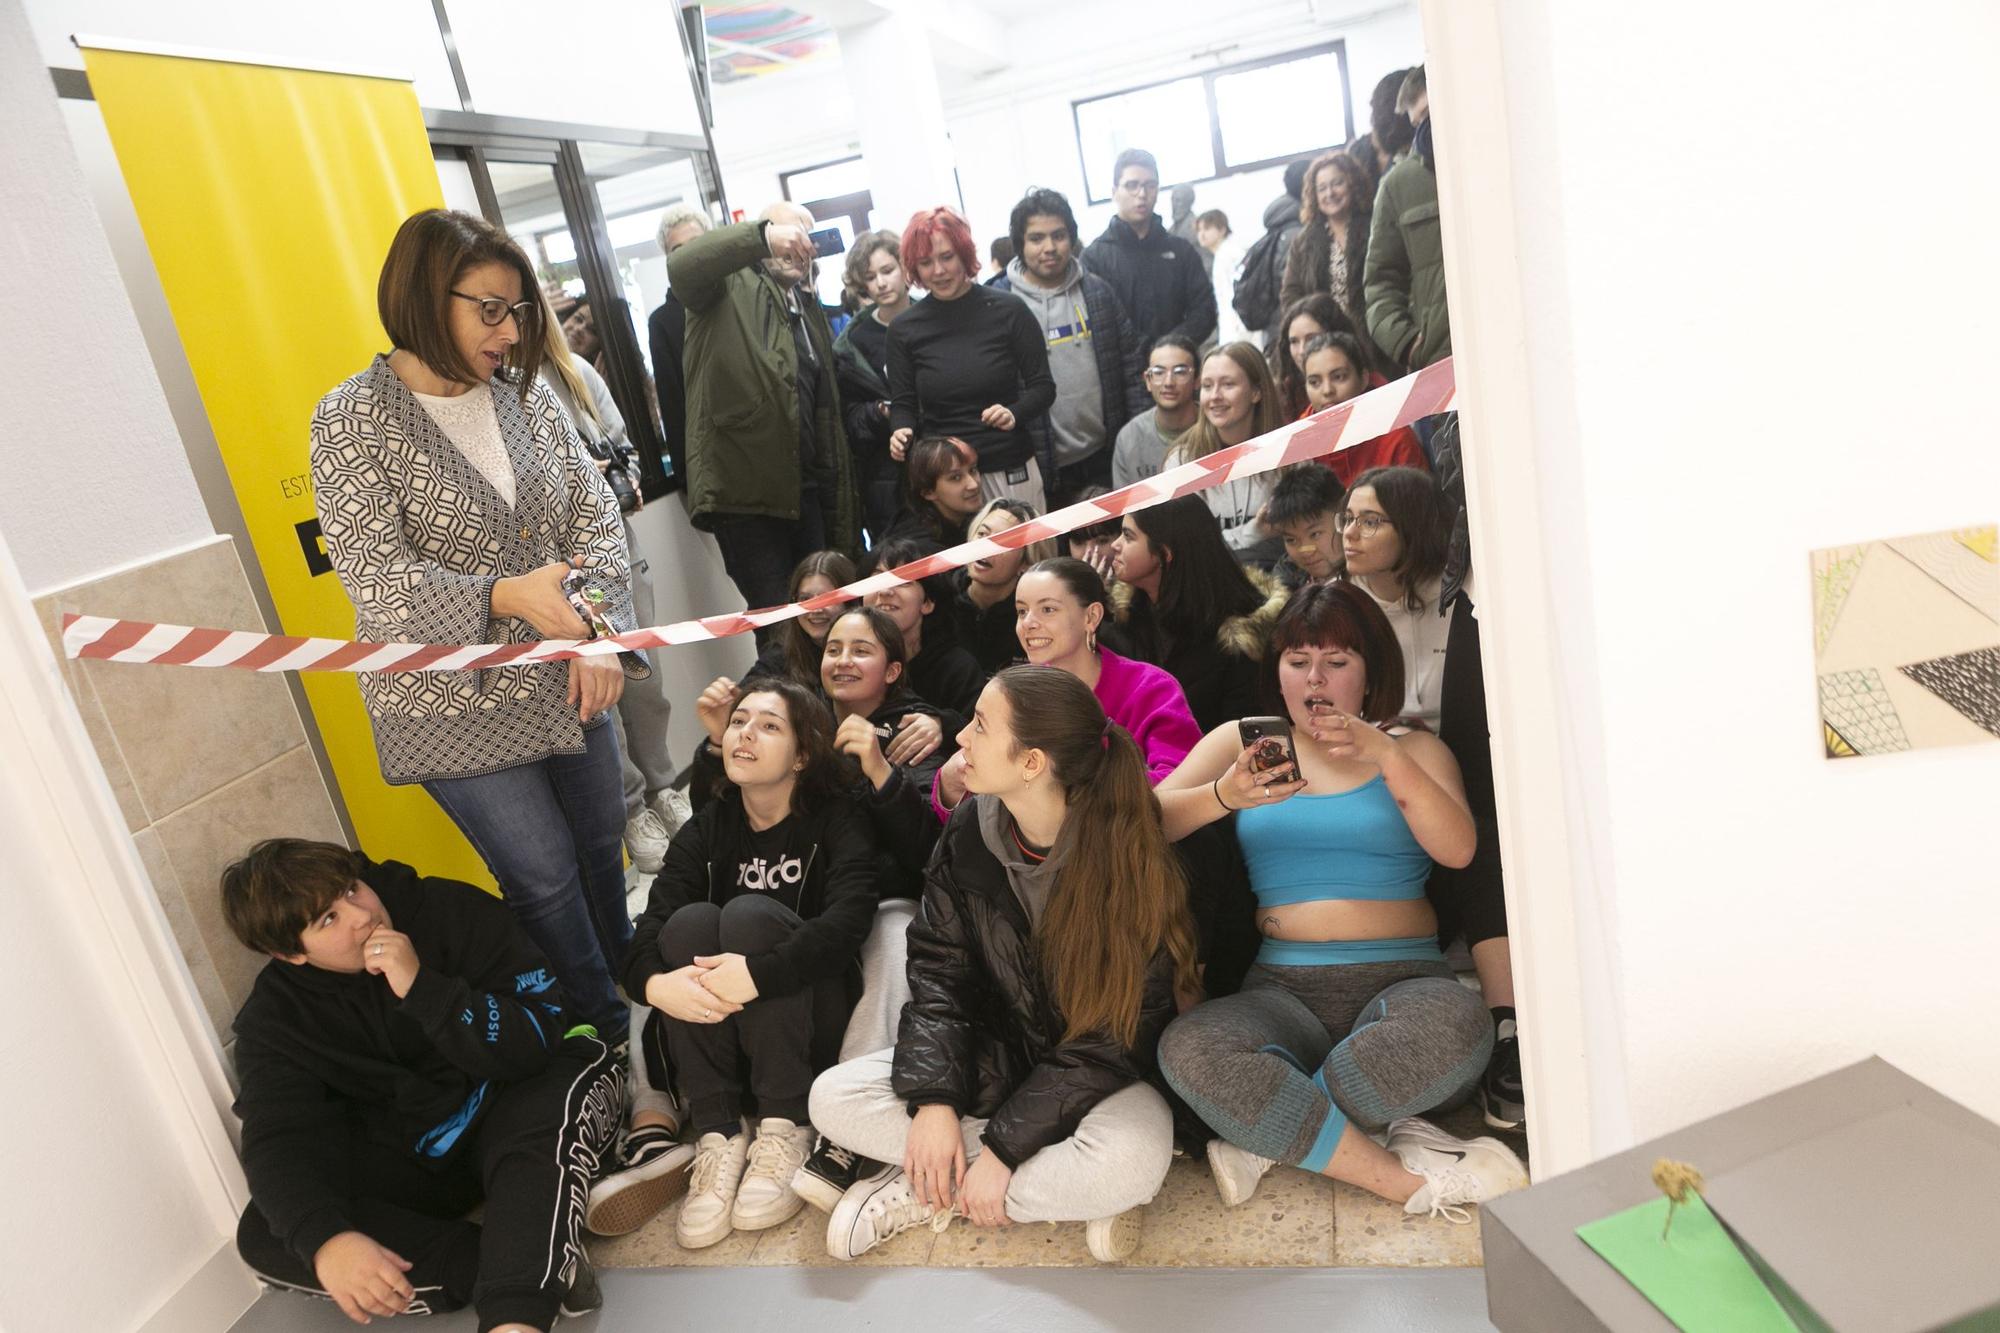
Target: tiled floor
(1295, 1220)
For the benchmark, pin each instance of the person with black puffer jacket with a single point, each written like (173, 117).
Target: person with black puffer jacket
(405, 1055)
(1044, 964)
(747, 951)
(1159, 278)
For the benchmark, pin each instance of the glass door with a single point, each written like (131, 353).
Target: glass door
(635, 187)
(541, 208)
(587, 212)
(531, 211)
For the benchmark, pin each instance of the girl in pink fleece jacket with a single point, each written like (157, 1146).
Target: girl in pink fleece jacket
(1059, 605)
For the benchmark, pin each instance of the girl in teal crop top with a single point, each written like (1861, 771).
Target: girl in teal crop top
(1348, 844)
(1370, 810)
(1331, 1041)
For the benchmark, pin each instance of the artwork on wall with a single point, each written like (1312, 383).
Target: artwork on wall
(1907, 639)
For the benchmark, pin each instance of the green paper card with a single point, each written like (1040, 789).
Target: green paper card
(1696, 1276)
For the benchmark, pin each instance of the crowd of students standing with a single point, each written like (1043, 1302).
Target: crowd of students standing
(889, 965)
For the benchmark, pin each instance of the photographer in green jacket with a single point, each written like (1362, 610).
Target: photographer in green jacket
(768, 467)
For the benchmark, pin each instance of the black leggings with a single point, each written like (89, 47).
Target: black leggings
(1471, 901)
(530, 1159)
(785, 1040)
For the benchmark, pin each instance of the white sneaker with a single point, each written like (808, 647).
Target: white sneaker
(1455, 1171)
(646, 838)
(766, 1196)
(711, 1196)
(673, 809)
(1236, 1171)
(1112, 1240)
(875, 1210)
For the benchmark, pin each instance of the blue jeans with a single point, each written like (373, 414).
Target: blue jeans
(550, 831)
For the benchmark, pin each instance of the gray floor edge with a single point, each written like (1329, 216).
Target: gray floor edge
(956, 1300)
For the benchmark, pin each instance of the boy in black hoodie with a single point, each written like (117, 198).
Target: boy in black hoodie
(405, 1055)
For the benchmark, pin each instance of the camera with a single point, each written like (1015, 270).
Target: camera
(620, 479)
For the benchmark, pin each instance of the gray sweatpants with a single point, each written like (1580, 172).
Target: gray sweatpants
(885, 980)
(1116, 1160)
(1281, 1066)
(643, 709)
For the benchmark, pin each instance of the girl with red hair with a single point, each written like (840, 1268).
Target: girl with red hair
(968, 361)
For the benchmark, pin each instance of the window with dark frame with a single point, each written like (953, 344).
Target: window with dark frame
(824, 180)
(1218, 122)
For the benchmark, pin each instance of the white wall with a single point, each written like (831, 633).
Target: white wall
(95, 1125)
(73, 363)
(1013, 129)
(1758, 294)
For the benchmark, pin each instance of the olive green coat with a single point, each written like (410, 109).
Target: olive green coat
(742, 403)
(1404, 278)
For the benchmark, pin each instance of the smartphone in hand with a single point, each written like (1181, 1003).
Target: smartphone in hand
(1269, 741)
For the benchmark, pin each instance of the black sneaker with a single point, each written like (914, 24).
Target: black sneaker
(643, 1145)
(652, 1173)
(830, 1172)
(583, 1294)
(1500, 1095)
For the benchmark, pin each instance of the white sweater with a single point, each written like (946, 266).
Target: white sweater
(468, 420)
(1422, 635)
(1228, 326)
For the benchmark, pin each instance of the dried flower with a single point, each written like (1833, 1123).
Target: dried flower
(1676, 1180)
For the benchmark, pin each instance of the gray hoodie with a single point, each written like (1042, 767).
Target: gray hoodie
(1032, 880)
(1076, 421)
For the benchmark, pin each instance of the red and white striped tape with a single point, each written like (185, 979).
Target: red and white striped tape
(1353, 423)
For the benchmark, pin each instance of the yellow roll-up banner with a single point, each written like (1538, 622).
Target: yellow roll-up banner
(268, 197)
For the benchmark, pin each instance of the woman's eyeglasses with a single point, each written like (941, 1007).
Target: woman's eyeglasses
(492, 310)
(1370, 523)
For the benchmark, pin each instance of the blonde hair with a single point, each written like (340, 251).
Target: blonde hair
(556, 356)
(1022, 512)
(677, 217)
(1200, 439)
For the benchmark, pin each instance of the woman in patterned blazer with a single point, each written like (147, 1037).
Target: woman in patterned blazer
(454, 497)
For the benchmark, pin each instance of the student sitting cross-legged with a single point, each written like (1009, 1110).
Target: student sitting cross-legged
(1350, 1026)
(1044, 964)
(404, 1056)
(748, 952)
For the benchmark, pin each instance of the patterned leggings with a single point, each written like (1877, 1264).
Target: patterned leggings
(1280, 1067)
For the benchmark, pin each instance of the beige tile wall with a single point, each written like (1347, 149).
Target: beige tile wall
(203, 763)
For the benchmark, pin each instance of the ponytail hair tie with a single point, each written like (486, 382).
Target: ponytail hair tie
(1104, 736)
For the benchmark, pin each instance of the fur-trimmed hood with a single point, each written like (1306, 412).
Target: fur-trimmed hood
(1245, 635)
